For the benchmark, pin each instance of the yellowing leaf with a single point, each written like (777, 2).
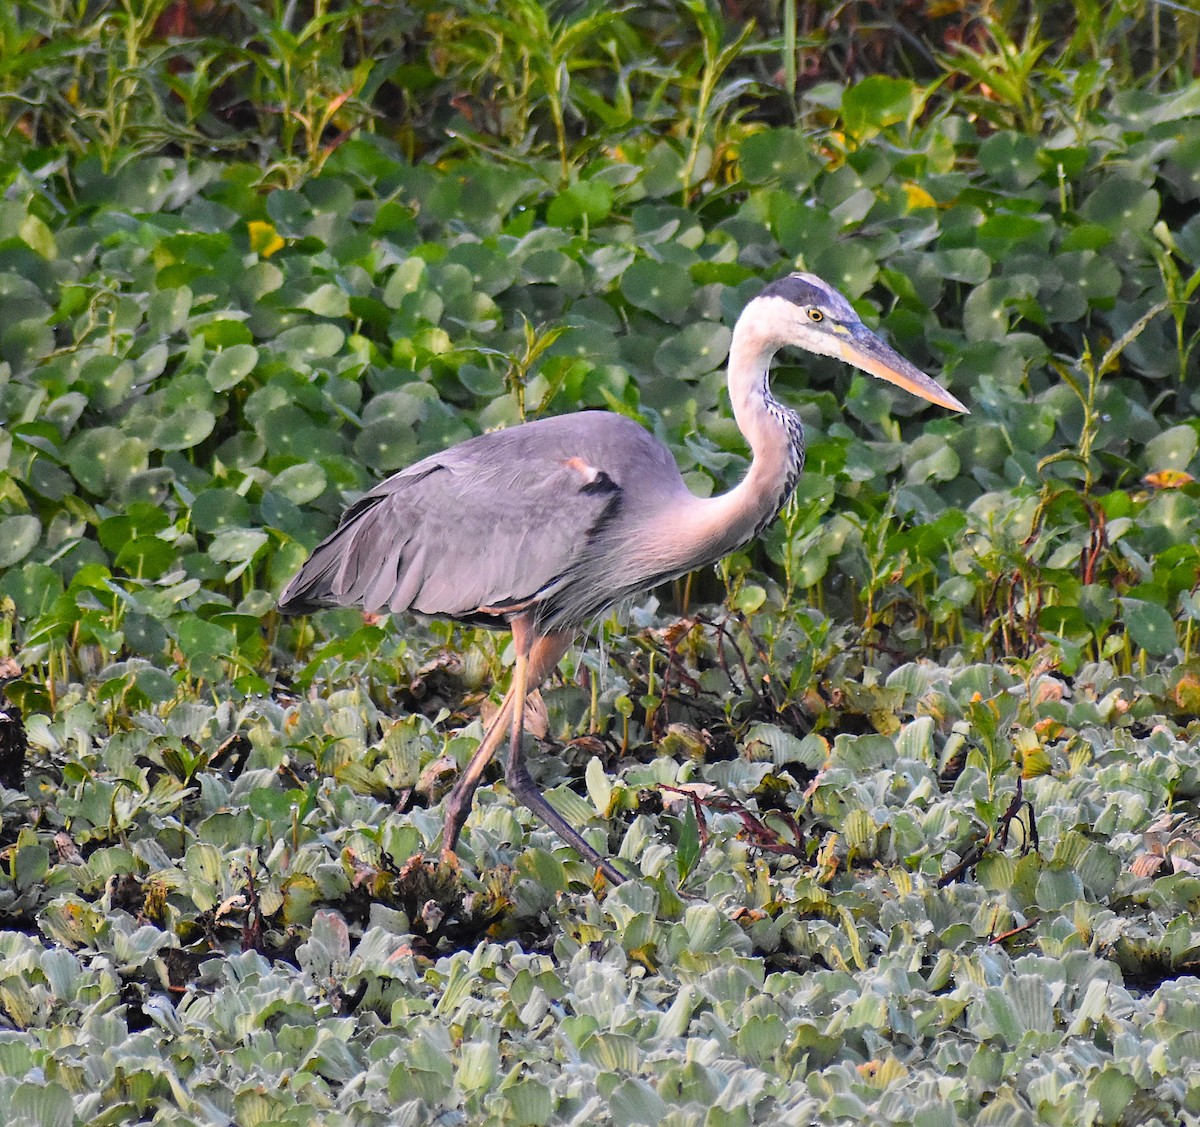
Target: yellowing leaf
(264, 239)
(918, 197)
(1168, 479)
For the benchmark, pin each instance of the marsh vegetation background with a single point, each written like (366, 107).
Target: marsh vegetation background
(911, 784)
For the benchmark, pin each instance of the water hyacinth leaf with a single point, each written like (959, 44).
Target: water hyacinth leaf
(634, 1103)
(47, 1105)
(1112, 1089)
(688, 849)
(599, 786)
(478, 1067)
(19, 535)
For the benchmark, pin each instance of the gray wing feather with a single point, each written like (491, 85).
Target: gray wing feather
(485, 526)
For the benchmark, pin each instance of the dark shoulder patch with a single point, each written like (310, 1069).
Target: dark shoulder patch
(796, 289)
(601, 483)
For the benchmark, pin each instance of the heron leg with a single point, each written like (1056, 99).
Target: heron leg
(458, 804)
(541, 654)
(517, 776)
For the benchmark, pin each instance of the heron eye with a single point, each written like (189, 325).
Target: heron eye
(814, 314)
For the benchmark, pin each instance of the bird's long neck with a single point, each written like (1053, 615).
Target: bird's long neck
(776, 439)
(774, 432)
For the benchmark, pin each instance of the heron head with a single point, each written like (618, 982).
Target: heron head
(807, 312)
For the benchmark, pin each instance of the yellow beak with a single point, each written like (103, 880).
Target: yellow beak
(865, 350)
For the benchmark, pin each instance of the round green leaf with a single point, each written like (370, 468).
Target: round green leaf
(184, 429)
(694, 350)
(1149, 626)
(217, 509)
(230, 366)
(665, 291)
(98, 456)
(300, 484)
(327, 300)
(587, 200)
(18, 537)
(877, 102)
(313, 342)
(225, 333)
(1174, 449)
(386, 444)
(1011, 158)
(236, 545)
(270, 804)
(963, 264)
(779, 154)
(552, 267)
(200, 639)
(33, 588)
(146, 557)
(1122, 205)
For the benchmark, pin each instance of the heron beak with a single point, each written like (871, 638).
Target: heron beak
(865, 350)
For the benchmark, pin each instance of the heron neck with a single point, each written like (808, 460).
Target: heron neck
(773, 431)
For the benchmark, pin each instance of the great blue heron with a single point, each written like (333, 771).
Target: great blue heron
(541, 526)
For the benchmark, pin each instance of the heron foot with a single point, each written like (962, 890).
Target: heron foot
(526, 791)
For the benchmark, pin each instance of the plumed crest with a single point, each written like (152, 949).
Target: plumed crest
(803, 290)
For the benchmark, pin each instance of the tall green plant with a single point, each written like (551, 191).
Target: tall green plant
(520, 58)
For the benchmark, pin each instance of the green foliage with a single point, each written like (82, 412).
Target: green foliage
(907, 788)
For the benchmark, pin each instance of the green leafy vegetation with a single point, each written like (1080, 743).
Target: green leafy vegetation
(911, 784)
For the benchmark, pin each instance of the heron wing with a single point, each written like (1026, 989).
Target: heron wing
(483, 528)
